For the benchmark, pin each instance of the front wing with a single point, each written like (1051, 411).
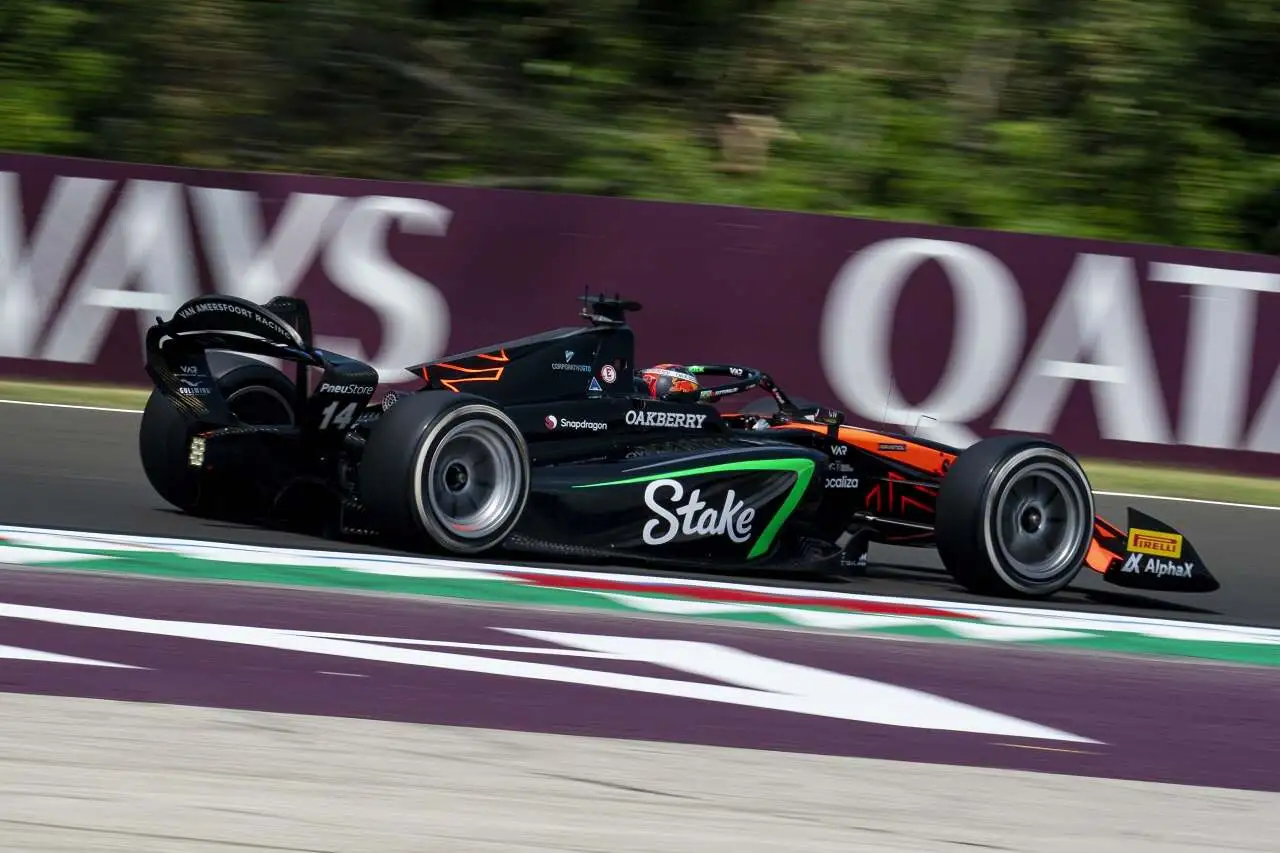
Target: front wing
(1151, 556)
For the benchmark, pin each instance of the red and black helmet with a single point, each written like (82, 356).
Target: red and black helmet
(669, 382)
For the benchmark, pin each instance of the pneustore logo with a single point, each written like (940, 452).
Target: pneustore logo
(330, 388)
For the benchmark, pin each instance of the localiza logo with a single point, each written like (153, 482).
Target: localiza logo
(693, 517)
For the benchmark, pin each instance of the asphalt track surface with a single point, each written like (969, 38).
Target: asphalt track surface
(185, 766)
(78, 469)
(481, 728)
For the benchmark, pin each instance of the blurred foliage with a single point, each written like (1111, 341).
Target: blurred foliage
(1147, 120)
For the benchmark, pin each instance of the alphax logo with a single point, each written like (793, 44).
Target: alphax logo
(1159, 568)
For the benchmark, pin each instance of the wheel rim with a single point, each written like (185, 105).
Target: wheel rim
(474, 482)
(1040, 522)
(258, 405)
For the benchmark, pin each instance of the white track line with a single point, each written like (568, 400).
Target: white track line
(1130, 495)
(1187, 500)
(70, 406)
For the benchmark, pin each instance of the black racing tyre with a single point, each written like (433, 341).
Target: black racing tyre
(451, 467)
(1015, 517)
(256, 393)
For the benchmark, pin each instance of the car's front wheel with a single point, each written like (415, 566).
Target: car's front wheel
(1015, 516)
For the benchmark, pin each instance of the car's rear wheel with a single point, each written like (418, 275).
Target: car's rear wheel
(256, 393)
(1015, 516)
(450, 467)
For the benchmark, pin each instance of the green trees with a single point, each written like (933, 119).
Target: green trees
(1153, 121)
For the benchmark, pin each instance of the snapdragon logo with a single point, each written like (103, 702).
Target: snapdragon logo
(693, 517)
(552, 422)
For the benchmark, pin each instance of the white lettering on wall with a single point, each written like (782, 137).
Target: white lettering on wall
(143, 262)
(32, 278)
(1096, 333)
(246, 263)
(858, 322)
(146, 245)
(1215, 377)
(413, 313)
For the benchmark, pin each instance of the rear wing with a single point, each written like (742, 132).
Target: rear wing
(177, 363)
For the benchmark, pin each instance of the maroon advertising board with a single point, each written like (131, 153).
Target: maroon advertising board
(1116, 350)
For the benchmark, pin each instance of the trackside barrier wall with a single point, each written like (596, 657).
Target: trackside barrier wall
(1117, 350)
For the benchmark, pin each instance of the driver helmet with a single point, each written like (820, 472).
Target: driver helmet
(668, 382)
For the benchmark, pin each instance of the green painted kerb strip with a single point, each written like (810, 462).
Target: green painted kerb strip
(802, 468)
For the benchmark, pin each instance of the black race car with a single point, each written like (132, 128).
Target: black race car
(555, 445)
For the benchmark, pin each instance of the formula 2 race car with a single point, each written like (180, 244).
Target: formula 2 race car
(555, 445)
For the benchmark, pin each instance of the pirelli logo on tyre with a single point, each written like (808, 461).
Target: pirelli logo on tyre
(1155, 542)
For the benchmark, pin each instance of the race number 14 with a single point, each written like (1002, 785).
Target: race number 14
(332, 418)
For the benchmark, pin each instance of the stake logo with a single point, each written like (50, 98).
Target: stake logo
(694, 518)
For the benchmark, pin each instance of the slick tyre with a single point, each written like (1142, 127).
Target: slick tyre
(448, 468)
(256, 393)
(1014, 517)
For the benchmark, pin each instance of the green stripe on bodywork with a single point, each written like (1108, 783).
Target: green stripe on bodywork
(802, 468)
